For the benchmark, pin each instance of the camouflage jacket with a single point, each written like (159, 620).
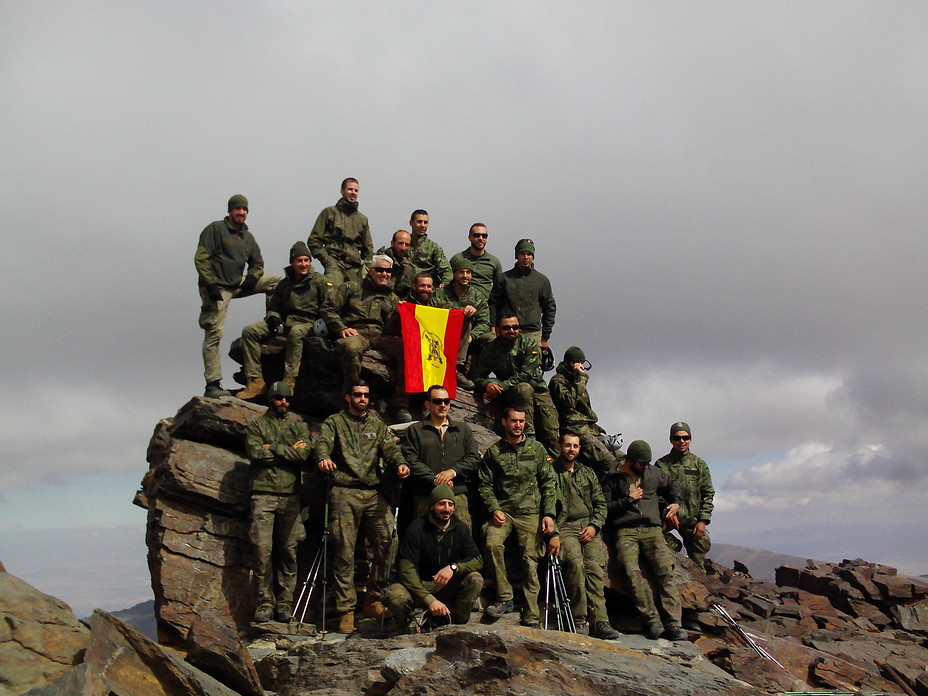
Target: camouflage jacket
(695, 482)
(518, 479)
(579, 496)
(426, 256)
(298, 301)
(276, 469)
(357, 444)
(342, 233)
(570, 397)
(473, 296)
(520, 362)
(360, 305)
(223, 252)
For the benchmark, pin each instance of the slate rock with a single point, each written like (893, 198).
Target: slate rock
(405, 661)
(217, 650)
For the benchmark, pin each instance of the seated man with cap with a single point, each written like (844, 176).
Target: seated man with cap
(462, 294)
(439, 565)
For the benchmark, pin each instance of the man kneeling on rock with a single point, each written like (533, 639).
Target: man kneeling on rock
(439, 565)
(277, 443)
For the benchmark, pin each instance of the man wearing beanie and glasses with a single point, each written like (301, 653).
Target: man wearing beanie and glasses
(439, 565)
(632, 510)
(527, 293)
(224, 249)
(696, 503)
(293, 308)
(277, 444)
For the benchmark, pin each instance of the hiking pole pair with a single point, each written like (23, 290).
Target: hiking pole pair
(555, 585)
(317, 567)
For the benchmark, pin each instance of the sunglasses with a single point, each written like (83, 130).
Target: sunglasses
(280, 398)
(359, 395)
(440, 402)
(478, 234)
(677, 438)
(510, 327)
(381, 269)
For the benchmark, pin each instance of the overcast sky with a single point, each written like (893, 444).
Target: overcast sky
(728, 198)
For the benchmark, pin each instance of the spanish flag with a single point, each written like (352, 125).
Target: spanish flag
(430, 346)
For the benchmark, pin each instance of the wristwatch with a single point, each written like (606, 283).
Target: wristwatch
(454, 567)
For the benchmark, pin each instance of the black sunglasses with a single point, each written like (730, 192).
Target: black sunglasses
(439, 402)
(677, 438)
(358, 395)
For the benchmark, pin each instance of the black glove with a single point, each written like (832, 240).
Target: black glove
(214, 292)
(273, 323)
(248, 284)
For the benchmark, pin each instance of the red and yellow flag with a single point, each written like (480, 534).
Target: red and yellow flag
(430, 346)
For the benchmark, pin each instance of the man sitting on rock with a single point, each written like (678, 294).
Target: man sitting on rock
(632, 510)
(350, 446)
(515, 360)
(462, 294)
(518, 486)
(277, 443)
(295, 305)
(438, 565)
(361, 315)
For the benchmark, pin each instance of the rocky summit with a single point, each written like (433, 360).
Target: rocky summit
(853, 627)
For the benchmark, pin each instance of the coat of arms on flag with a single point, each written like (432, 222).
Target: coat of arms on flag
(431, 336)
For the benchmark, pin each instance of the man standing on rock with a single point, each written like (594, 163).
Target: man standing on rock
(224, 249)
(439, 564)
(574, 412)
(519, 488)
(697, 494)
(524, 291)
(341, 237)
(350, 447)
(580, 517)
(295, 305)
(277, 444)
(441, 451)
(632, 510)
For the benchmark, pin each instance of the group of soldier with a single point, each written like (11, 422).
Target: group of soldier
(561, 495)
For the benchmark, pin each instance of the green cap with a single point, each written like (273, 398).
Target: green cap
(680, 425)
(574, 355)
(639, 451)
(280, 389)
(459, 262)
(299, 249)
(238, 201)
(441, 492)
(524, 245)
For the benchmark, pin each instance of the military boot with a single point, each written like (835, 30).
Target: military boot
(346, 622)
(256, 387)
(372, 608)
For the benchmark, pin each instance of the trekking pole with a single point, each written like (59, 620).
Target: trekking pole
(558, 610)
(391, 566)
(565, 598)
(548, 570)
(720, 610)
(311, 576)
(330, 481)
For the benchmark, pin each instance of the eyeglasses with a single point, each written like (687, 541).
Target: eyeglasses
(280, 398)
(478, 234)
(510, 327)
(381, 269)
(440, 402)
(677, 438)
(359, 395)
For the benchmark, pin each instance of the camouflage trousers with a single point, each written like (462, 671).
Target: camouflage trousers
(696, 549)
(632, 543)
(350, 350)
(594, 453)
(584, 568)
(255, 334)
(535, 402)
(337, 274)
(213, 319)
(458, 595)
(527, 529)
(356, 510)
(275, 532)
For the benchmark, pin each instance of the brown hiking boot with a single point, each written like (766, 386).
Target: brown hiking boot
(346, 622)
(256, 387)
(373, 608)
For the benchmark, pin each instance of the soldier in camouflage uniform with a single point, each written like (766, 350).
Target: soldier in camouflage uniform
(341, 237)
(462, 294)
(580, 517)
(295, 305)
(362, 316)
(632, 510)
(696, 503)
(399, 252)
(487, 268)
(516, 362)
(425, 255)
(574, 412)
(518, 485)
(277, 443)
(350, 447)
